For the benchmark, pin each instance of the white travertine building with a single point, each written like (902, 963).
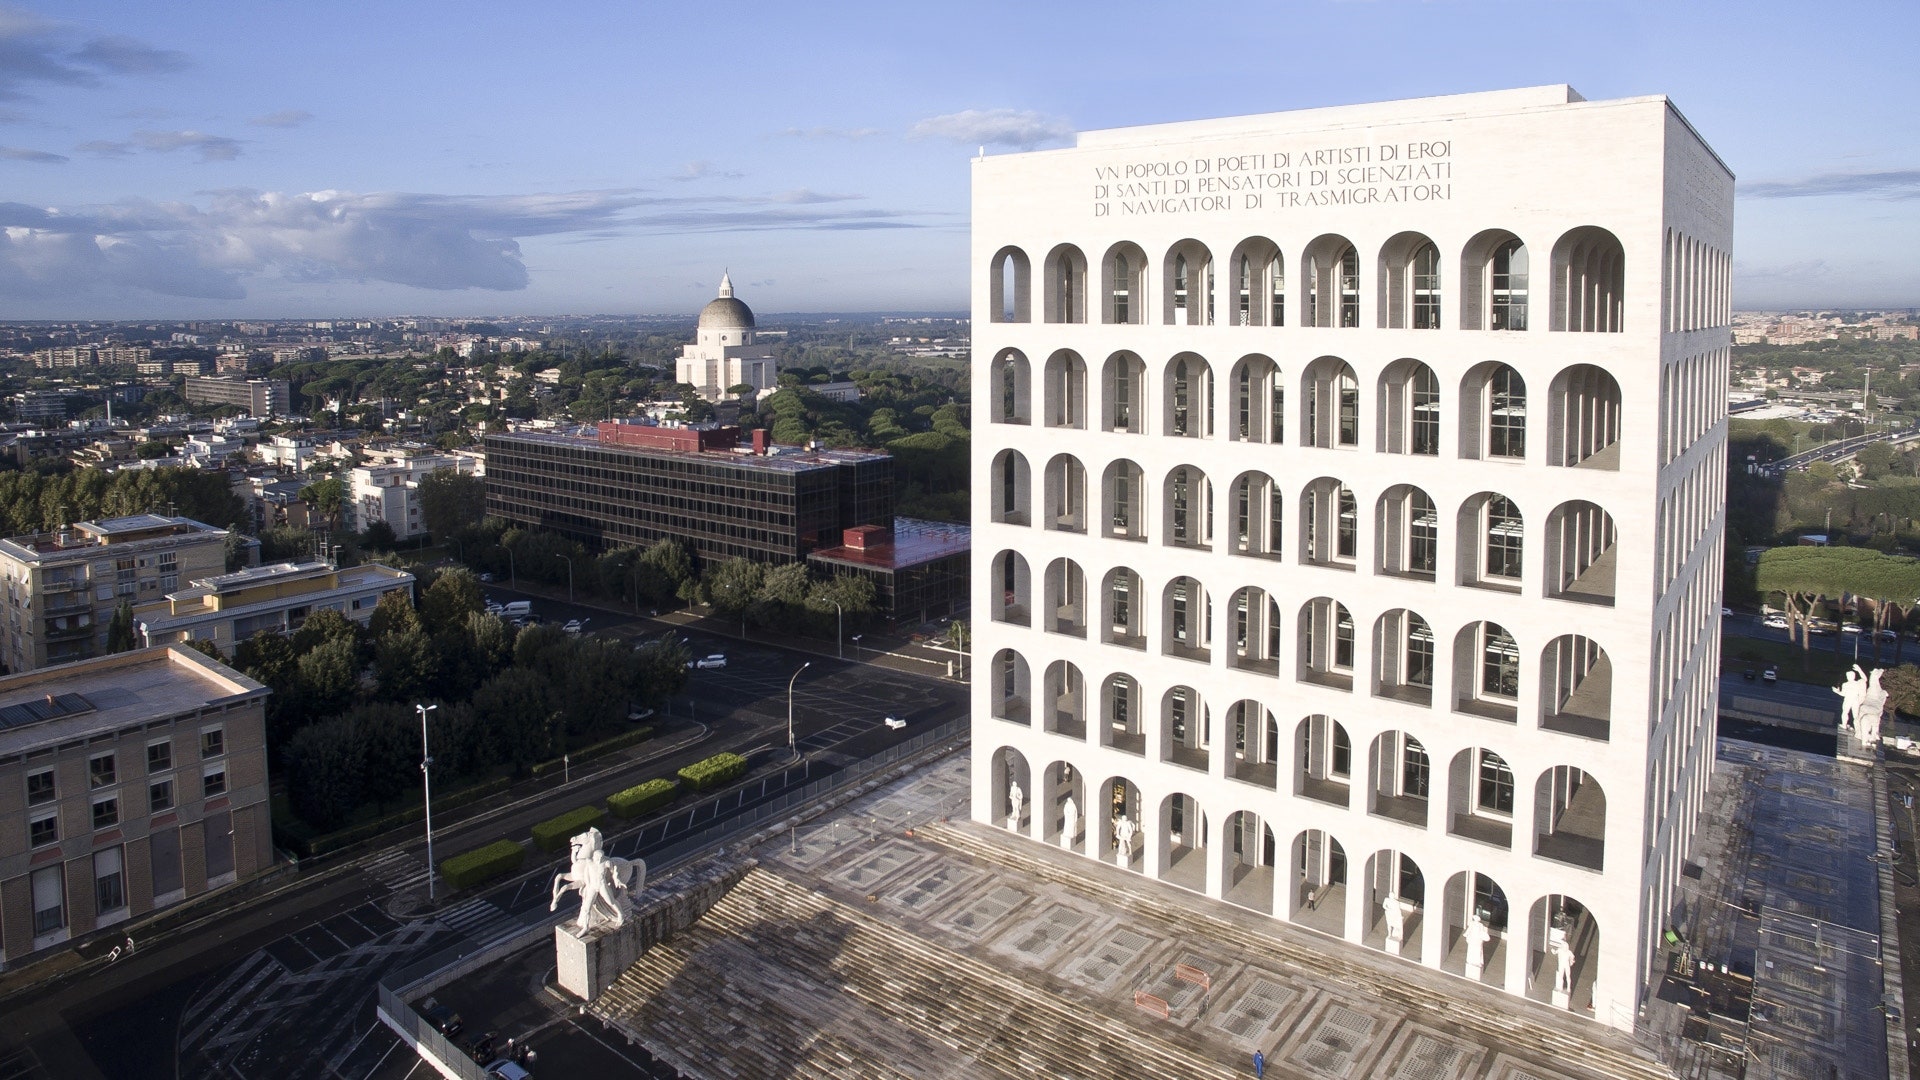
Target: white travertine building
(1352, 519)
(723, 353)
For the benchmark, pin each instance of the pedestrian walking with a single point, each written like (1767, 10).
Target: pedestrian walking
(1259, 1065)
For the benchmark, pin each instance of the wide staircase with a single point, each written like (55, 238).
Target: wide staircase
(776, 980)
(1527, 1030)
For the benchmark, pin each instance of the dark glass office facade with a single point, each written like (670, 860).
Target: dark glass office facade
(775, 508)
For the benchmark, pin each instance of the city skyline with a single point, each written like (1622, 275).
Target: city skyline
(441, 160)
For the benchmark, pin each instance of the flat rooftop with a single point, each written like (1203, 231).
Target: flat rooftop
(777, 459)
(915, 543)
(118, 691)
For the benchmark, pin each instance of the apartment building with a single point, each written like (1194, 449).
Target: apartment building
(128, 783)
(1301, 581)
(61, 587)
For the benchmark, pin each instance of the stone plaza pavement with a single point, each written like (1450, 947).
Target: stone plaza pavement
(1790, 888)
(895, 938)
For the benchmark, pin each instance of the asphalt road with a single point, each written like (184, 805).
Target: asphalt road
(282, 988)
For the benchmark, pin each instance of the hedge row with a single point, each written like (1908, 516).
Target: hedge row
(483, 864)
(604, 746)
(714, 771)
(641, 798)
(553, 833)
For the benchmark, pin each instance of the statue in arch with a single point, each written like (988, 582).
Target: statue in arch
(1562, 950)
(1478, 933)
(1395, 911)
(1015, 798)
(604, 883)
(1124, 830)
(1069, 823)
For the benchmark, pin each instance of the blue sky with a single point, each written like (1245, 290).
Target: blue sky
(220, 159)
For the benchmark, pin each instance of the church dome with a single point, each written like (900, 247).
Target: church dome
(724, 312)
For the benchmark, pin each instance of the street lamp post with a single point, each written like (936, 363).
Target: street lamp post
(512, 574)
(569, 561)
(840, 629)
(426, 780)
(796, 678)
(856, 646)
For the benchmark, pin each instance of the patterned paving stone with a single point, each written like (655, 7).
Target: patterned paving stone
(1256, 1002)
(1038, 937)
(1419, 1053)
(1112, 953)
(1335, 1041)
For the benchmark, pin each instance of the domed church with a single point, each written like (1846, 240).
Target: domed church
(723, 353)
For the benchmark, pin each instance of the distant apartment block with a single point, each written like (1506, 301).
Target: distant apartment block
(128, 783)
(260, 397)
(60, 588)
(226, 609)
(40, 406)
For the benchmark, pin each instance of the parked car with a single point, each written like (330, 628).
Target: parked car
(574, 626)
(710, 662)
(520, 607)
(1747, 674)
(895, 723)
(508, 1070)
(1775, 622)
(1772, 674)
(480, 1049)
(444, 1019)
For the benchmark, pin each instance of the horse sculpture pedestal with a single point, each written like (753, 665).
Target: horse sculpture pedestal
(588, 962)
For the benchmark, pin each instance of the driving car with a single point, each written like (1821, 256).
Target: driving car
(712, 661)
(1772, 674)
(1774, 622)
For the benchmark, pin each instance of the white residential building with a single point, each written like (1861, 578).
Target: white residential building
(391, 492)
(1310, 441)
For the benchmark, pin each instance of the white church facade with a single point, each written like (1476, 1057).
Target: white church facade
(723, 354)
(1349, 519)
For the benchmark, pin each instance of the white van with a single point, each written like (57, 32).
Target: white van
(517, 608)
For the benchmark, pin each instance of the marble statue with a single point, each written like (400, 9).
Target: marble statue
(1478, 934)
(1015, 797)
(1852, 691)
(1069, 823)
(1124, 830)
(604, 884)
(1563, 964)
(1873, 703)
(1396, 910)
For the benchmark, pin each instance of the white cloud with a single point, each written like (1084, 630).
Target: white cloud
(701, 170)
(212, 248)
(285, 118)
(1884, 184)
(1022, 129)
(42, 157)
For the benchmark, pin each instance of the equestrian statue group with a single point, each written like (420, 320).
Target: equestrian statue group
(606, 885)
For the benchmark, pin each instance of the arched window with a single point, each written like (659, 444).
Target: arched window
(1007, 283)
(1189, 284)
(1189, 397)
(1259, 401)
(1257, 517)
(1507, 287)
(1125, 518)
(1589, 281)
(1332, 283)
(1011, 388)
(1504, 538)
(1124, 274)
(1123, 384)
(1066, 390)
(1259, 283)
(1332, 404)
(1409, 289)
(1409, 533)
(1066, 291)
(1499, 663)
(1326, 644)
(1329, 524)
(1010, 488)
(1189, 501)
(1409, 409)
(1493, 414)
(1583, 419)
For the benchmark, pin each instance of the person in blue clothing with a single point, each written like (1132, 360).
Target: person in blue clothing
(1259, 1064)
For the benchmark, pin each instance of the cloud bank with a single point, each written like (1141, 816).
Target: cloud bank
(1886, 184)
(209, 250)
(1021, 129)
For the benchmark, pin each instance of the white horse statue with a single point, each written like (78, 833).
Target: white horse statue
(604, 884)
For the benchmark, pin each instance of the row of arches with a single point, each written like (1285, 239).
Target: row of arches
(1579, 545)
(1491, 408)
(1495, 291)
(1463, 923)
(1482, 675)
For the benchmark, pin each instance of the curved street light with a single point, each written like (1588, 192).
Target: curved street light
(790, 682)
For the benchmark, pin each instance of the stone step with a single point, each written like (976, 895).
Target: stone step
(1493, 1017)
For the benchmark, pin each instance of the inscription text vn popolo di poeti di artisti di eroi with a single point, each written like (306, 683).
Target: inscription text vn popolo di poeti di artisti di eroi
(1394, 172)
